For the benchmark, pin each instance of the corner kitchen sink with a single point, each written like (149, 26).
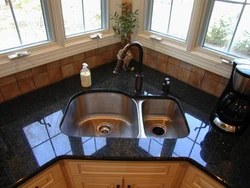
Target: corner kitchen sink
(115, 114)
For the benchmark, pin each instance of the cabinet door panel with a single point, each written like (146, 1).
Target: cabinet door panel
(122, 168)
(185, 185)
(60, 184)
(198, 179)
(45, 179)
(149, 182)
(94, 182)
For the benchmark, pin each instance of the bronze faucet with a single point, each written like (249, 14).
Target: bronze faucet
(139, 74)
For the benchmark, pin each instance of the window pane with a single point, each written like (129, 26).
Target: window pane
(180, 18)
(241, 42)
(22, 25)
(221, 26)
(81, 16)
(8, 34)
(73, 16)
(172, 17)
(92, 14)
(159, 22)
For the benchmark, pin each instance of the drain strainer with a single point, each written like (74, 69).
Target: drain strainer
(159, 130)
(104, 128)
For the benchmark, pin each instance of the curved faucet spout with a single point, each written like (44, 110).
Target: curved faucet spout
(138, 75)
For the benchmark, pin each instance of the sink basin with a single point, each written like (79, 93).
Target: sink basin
(116, 114)
(163, 118)
(101, 114)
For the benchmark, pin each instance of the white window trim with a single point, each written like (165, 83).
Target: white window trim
(59, 48)
(187, 52)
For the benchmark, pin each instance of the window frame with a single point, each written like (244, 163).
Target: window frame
(188, 51)
(60, 47)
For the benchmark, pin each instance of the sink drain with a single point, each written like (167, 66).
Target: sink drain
(104, 128)
(159, 130)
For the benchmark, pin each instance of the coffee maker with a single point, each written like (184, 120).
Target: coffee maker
(232, 112)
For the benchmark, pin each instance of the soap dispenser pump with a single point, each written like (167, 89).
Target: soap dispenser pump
(85, 76)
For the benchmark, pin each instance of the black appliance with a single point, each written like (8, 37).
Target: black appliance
(232, 112)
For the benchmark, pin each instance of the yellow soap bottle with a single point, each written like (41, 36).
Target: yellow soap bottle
(85, 76)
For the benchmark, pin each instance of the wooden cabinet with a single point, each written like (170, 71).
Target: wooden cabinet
(195, 178)
(51, 177)
(121, 174)
(132, 174)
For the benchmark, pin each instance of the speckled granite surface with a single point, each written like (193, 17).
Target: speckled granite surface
(30, 136)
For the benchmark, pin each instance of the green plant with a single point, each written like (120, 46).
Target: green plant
(125, 24)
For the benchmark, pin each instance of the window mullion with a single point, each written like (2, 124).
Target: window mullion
(46, 17)
(83, 20)
(104, 14)
(57, 20)
(15, 22)
(194, 26)
(208, 13)
(148, 14)
(170, 15)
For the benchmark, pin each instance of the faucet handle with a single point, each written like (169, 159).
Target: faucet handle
(166, 86)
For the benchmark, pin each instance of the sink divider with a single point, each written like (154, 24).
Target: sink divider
(140, 118)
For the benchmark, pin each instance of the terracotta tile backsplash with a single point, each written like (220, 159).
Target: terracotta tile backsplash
(38, 70)
(195, 76)
(195, 79)
(41, 79)
(23, 74)
(183, 74)
(53, 65)
(198, 70)
(26, 85)
(10, 91)
(68, 70)
(29, 80)
(7, 80)
(55, 74)
(1, 98)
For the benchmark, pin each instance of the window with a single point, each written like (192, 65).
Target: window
(225, 27)
(26, 23)
(23, 23)
(188, 29)
(228, 28)
(51, 30)
(170, 17)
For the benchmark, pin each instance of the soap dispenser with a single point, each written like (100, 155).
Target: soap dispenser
(85, 76)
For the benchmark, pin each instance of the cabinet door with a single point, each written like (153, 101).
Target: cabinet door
(46, 179)
(148, 182)
(97, 182)
(197, 179)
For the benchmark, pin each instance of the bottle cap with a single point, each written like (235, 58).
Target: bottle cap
(85, 65)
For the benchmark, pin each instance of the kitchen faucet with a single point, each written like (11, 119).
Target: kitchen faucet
(138, 75)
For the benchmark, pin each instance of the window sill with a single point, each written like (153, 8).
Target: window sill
(51, 52)
(197, 57)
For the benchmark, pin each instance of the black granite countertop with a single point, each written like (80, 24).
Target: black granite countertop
(30, 136)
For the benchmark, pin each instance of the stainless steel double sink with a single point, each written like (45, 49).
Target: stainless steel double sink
(116, 114)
